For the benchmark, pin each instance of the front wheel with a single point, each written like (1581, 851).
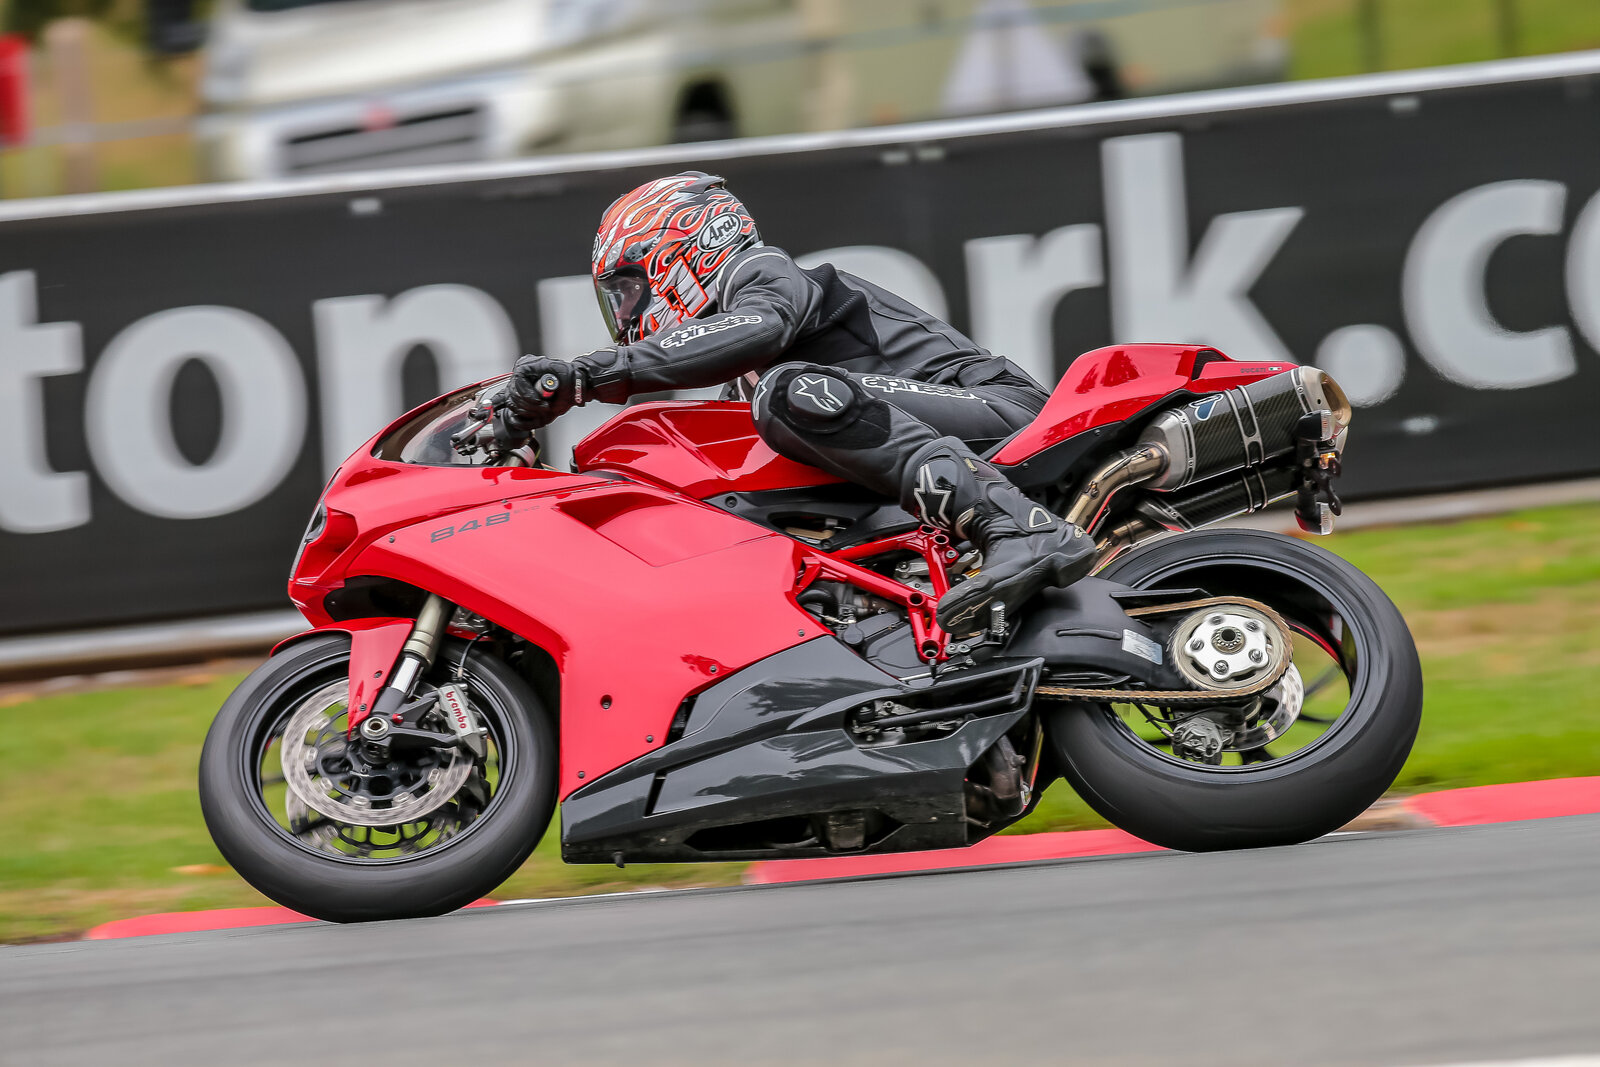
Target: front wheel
(335, 829)
(1354, 727)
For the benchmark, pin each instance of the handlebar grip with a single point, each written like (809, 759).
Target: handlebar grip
(549, 386)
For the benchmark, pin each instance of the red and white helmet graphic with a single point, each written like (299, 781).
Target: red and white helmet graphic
(659, 249)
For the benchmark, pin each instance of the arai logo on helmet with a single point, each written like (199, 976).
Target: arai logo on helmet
(720, 231)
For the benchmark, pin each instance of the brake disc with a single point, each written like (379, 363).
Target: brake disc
(1289, 695)
(324, 775)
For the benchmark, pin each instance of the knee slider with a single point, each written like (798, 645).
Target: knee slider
(802, 394)
(821, 403)
(821, 400)
(771, 400)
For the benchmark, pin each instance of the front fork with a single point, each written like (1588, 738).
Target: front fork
(416, 656)
(394, 717)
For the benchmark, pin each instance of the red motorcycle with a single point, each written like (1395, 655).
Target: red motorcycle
(706, 651)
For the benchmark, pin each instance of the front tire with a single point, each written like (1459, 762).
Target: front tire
(316, 872)
(1279, 800)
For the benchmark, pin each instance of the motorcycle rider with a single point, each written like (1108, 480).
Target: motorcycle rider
(840, 373)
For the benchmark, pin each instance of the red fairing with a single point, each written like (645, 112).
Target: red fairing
(1114, 384)
(698, 448)
(641, 595)
(369, 499)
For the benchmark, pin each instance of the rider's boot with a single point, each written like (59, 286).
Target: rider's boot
(1025, 547)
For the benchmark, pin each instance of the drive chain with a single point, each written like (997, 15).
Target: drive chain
(1186, 696)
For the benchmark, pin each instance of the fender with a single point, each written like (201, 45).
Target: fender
(374, 647)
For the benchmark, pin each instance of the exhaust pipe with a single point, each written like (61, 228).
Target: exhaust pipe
(1120, 471)
(1243, 427)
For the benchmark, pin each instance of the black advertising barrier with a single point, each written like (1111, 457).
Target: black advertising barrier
(180, 370)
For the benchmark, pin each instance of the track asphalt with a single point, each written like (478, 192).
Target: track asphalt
(1449, 945)
(1473, 806)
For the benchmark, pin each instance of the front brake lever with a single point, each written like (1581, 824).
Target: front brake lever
(486, 430)
(465, 441)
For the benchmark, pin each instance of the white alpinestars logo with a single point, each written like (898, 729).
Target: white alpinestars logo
(815, 389)
(1038, 517)
(885, 384)
(926, 491)
(696, 330)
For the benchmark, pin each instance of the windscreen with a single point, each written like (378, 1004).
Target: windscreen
(424, 438)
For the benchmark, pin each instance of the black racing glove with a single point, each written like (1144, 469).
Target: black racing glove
(540, 391)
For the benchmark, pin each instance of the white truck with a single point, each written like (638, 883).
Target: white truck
(296, 87)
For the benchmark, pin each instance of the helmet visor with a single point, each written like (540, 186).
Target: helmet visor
(624, 294)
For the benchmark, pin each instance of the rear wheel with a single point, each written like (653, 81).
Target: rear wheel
(1362, 706)
(340, 830)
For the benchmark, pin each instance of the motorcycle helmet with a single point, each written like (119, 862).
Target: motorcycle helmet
(659, 248)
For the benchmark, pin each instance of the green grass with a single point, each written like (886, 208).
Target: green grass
(98, 788)
(1327, 35)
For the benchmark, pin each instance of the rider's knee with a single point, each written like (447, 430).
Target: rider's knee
(818, 402)
(777, 390)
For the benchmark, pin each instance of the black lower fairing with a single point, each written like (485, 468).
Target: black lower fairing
(768, 757)
(771, 761)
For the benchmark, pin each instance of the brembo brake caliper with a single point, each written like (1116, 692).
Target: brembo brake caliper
(453, 703)
(402, 727)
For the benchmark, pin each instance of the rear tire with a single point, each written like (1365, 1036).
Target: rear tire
(1315, 791)
(442, 878)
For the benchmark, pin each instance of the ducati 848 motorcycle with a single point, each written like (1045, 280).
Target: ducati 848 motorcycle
(705, 651)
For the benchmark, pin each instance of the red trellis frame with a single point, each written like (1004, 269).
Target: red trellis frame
(932, 545)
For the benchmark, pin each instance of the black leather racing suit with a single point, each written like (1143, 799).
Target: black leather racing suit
(888, 379)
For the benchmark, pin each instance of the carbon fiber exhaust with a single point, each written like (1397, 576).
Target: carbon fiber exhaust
(1249, 426)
